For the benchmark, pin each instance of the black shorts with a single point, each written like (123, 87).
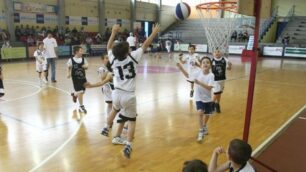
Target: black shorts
(205, 107)
(133, 48)
(79, 84)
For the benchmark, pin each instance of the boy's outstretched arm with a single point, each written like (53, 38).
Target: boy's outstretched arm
(100, 83)
(110, 42)
(149, 40)
(182, 70)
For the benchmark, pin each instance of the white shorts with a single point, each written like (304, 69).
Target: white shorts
(107, 92)
(218, 87)
(168, 49)
(126, 102)
(41, 67)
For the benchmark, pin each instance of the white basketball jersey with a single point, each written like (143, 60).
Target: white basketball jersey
(191, 62)
(125, 71)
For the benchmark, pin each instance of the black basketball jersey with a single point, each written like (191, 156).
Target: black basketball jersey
(77, 71)
(219, 68)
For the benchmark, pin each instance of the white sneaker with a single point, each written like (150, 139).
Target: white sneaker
(205, 130)
(40, 82)
(44, 81)
(200, 136)
(118, 141)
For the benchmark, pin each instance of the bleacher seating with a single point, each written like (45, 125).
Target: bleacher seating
(191, 30)
(296, 29)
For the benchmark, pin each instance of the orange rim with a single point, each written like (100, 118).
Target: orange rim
(226, 6)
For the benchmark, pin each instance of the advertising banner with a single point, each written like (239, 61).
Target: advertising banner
(273, 51)
(295, 52)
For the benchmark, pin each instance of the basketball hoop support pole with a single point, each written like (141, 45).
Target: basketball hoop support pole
(247, 122)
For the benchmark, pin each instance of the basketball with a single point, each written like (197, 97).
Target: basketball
(182, 11)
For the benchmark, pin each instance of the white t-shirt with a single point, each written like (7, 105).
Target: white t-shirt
(102, 71)
(247, 168)
(168, 43)
(131, 40)
(40, 56)
(125, 71)
(191, 60)
(77, 60)
(203, 94)
(49, 45)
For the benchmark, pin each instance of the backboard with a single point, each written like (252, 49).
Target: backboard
(246, 7)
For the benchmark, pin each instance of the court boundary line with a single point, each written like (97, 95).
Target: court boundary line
(60, 148)
(22, 97)
(276, 134)
(80, 122)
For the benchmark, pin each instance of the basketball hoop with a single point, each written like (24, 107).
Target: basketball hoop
(218, 30)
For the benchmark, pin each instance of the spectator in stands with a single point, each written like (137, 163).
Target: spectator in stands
(74, 31)
(238, 153)
(27, 30)
(67, 40)
(50, 45)
(194, 166)
(234, 36)
(132, 41)
(88, 42)
(32, 31)
(240, 36)
(67, 32)
(286, 39)
(6, 44)
(98, 38)
(22, 31)
(49, 30)
(17, 33)
(245, 36)
(106, 34)
(30, 40)
(61, 33)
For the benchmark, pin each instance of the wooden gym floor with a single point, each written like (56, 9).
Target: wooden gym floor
(41, 130)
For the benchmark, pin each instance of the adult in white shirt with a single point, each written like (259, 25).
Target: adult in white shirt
(132, 41)
(50, 46)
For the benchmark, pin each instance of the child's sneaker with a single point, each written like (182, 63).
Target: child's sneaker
(105, 131)
(191, 93)
(127, 151)
(74, 98)
(200, 136)
(118, 141)
(217, 106)
(205, 130)
(44, 81)
(82, 109)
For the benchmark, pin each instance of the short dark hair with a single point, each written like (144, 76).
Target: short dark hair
(195, 166)
(239, 151)
(76, 48)
(121, 50)
(191, 46)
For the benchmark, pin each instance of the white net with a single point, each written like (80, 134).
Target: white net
(218, 30)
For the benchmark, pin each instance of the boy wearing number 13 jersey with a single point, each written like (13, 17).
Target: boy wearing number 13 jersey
(124, 65)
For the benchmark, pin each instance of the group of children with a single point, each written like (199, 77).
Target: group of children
(208, 75)
(118, 80)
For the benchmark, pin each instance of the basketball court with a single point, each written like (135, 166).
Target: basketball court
(41, 128)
